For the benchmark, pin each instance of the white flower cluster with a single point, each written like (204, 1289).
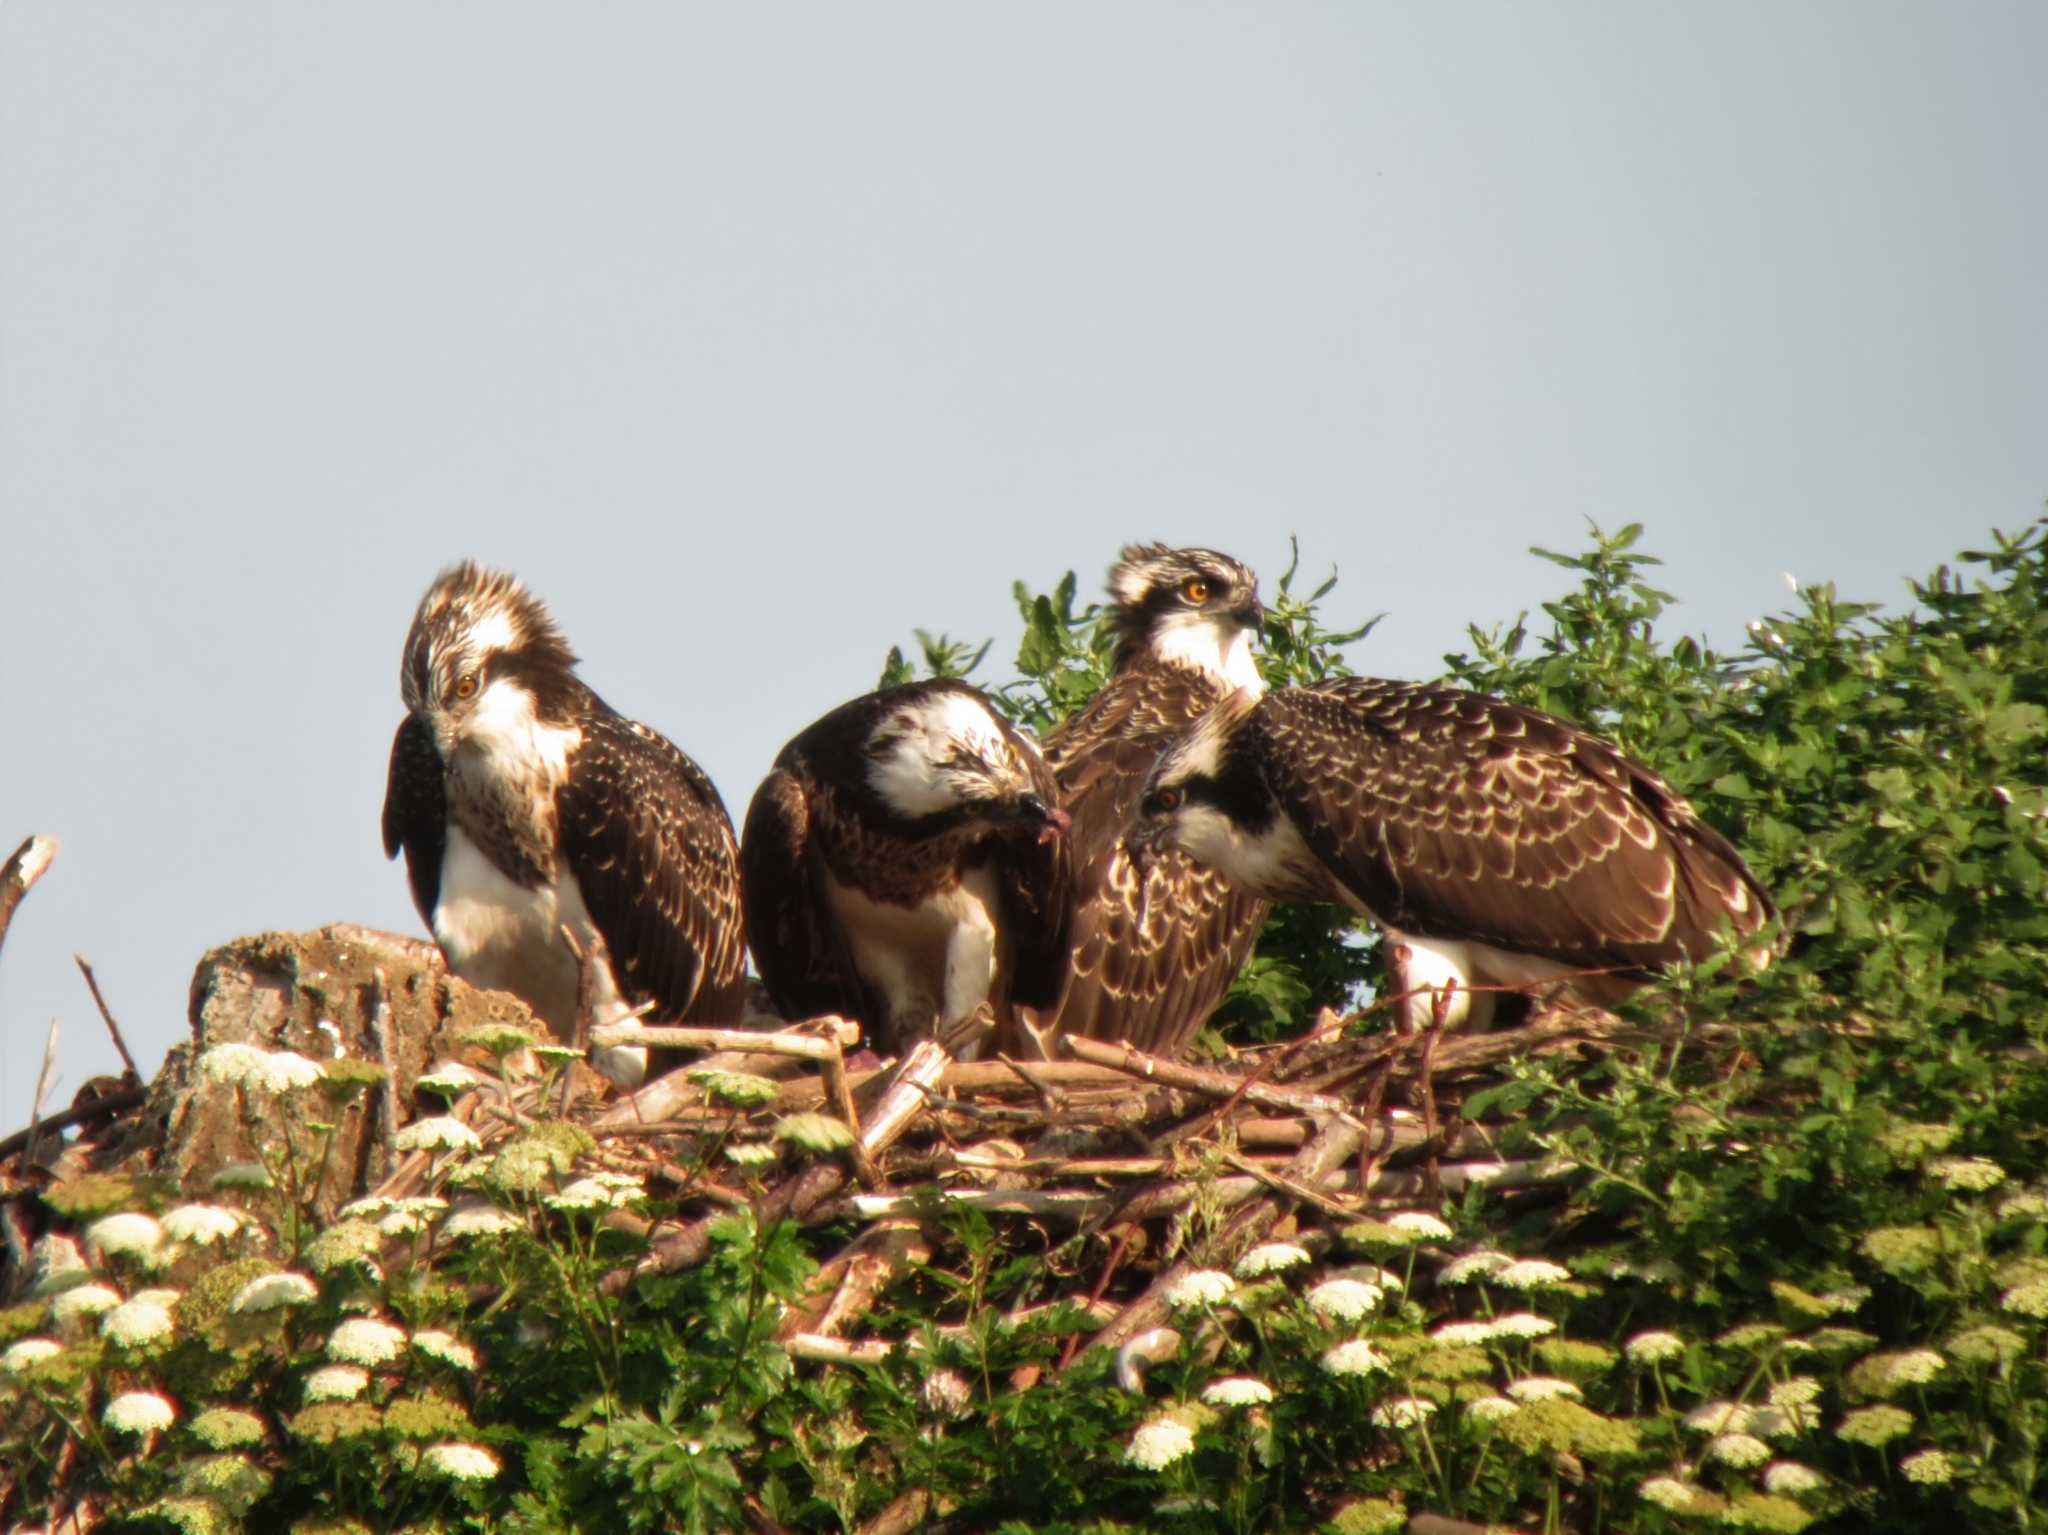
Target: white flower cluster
(1971, 1173)
(441, 1132)
(1158, 1443)
(407, 1217)
(127, 1235)
(144, 1318)
(1531, 1274)
(1199, 1287)
(270, 1291)
(599, 1191)
(1738, 1449)
(1237, 1391)
(81, 1301)
(1344, 1300)
(1356, 1357)
(139, 1412)
(1403, 1411)
(444, 1346)
(365, 1340)
(337, 1383)
(1270, 1258)
(460, 1462)
(1543, 1388)
(273, 1071)
(27, 1352)
(1418, 1226)
(201, 1225)
(479, 1218)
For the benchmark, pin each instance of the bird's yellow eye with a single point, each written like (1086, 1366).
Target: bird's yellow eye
(465, 685)
(1195, 589)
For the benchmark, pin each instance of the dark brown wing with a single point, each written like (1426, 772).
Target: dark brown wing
(796, 942)
(647, 838)
(1153, 952)
(1454, 815)
(1036, 880)
(416, 812)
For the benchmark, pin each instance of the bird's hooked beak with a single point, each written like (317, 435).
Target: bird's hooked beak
(1250, 613)
(1052, 822)
(1147, 839)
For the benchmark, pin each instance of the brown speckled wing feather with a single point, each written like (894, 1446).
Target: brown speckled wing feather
(1153, 951)
(1456, 815)
(797, 945)
(652, 850)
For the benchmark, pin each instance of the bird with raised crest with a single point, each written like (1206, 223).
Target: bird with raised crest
(524, 804)
(1155, 946)
(906, 865)
(1498, 848)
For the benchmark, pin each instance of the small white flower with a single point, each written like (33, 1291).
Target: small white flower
(201, 1225)
(477, 1218)
(83, 1301)
(29, 1351)
(442, 1132)
(1654, 1347)
(1532, 1274)
(1199, 1287)
(1543, 1388)
(449, 1077)
(948, 1394)
(1851, 1299)
(139, 1412)
(243, 1175)
(1738, 1449)
(2029, 1299)
(1796, 1392)
(1789, 1477)
(405, 1219)
(1237, 1391)
(1356, 1357)
(1461, 1334)
(1914, 1367)
(127, 1235)
(1973, 1173)
(1472, 1266)
(1719, 1418)
(584, 1194)
(1667, 1492)
(1158, 1443)
(1346, 1300)
(751, 1153)
(284, 1071)
(139, 1321)
(1928, 1467)
(270, 1291)
(337, 1383)
(1422, 1227)
(229, 1064)
(369, 1207)
(446, 1347)
(1490, 1409)
(1270, 1258)
(1786, 1422)
(461, 1462)
(365, 1340)
(1522, 1324)
(1403, 1411)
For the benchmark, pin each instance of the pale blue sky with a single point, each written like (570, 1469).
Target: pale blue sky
(752, 336)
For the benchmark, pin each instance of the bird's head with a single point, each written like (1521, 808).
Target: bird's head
(941, 751)
(1194, 607)
(1201, 798)
(482, 647)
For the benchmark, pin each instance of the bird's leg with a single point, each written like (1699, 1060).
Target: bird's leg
(1399, 956)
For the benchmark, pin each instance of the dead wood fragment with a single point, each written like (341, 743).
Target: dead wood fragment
(905, 1514)
(27, 864)
(1217, 1084)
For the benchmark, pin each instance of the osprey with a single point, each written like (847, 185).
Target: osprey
(524, 804)
(1496, 846)
(906, 863)
(1155, 945)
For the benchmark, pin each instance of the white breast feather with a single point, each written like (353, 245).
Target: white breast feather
(501, 936)
(503, 729)
(1219, 646)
